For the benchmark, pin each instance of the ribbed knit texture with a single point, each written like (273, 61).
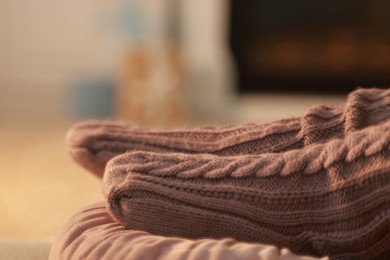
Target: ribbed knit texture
(329, 195)
(326, 199)
(93, 143)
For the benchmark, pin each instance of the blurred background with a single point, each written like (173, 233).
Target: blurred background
(161, 63)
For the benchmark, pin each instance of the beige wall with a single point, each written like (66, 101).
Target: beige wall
(43, 43)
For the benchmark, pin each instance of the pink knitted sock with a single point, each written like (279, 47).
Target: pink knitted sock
(93, 143)
(329, 198)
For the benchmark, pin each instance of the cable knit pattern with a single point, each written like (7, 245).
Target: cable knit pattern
(308, 161)
(327, 196)
(93, 143)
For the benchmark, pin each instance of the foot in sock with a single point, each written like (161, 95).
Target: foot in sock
(93, 143)
(324, 199)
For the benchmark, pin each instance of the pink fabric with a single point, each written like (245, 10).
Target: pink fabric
(93, 234)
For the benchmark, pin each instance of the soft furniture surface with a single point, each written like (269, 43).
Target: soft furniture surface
(93, 234)
(318, 185)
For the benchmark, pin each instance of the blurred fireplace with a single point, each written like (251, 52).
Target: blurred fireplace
(310, 46)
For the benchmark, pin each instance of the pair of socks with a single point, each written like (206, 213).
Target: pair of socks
(93, 143)
(318, 185)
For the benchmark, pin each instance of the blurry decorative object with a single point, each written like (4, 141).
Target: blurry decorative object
(151, 88)
(310, 45)
(93, 98)
(151, 74)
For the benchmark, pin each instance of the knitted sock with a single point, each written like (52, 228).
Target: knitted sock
(93, 143)
(324, 199)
